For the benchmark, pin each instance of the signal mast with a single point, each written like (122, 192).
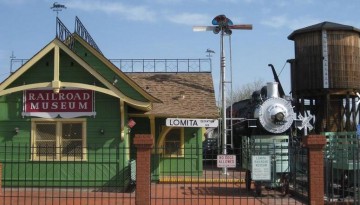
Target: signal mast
(223, 25)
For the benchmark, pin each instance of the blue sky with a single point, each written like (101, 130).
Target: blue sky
(163, 29)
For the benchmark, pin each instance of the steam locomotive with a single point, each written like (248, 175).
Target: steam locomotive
(268, 111)
(265, 113)
(263, 126)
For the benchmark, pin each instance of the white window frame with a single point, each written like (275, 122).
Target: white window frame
(58, 136)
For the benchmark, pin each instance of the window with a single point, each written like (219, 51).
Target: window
(172, 142)
(58, 139)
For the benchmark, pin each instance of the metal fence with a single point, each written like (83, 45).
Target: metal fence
(103, 178)
(183, 180)
(185, 176)
(342, 168)
(163, 65)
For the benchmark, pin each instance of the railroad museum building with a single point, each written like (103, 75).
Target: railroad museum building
(69, 103)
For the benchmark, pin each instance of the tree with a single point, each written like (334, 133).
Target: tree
(244, 92)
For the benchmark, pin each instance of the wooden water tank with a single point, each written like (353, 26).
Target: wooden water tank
(327, 57)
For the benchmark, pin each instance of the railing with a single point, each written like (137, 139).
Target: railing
(84, 34)
(163, 65)
(342, 167)
(15, 63)
(62, 33)
(103, 178)
(147, 65)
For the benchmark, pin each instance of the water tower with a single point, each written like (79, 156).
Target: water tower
(325, 75)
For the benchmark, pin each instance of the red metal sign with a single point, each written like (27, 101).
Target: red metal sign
(131, 123)
(65, 103)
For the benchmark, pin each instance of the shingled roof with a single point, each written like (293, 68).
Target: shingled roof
(197, 89)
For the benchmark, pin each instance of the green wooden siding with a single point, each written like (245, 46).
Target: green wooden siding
(188, 165)
(41, 71)
(11, 118)
(191, 163)
(107, 73)
(107, 169)
(71, 71)
(107, 155)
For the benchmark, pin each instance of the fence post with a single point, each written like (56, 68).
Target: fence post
(315, 145)
(0, 178)
(143, 144)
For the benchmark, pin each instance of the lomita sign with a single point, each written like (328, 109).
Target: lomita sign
(188, 122)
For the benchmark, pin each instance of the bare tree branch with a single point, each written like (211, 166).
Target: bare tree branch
(244, 92)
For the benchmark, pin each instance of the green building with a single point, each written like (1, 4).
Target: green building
(69, 109)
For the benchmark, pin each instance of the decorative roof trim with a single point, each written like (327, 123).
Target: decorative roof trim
(326, 25)
(110, 65)
(56, 45)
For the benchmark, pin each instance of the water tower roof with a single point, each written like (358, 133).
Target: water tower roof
(323, 26)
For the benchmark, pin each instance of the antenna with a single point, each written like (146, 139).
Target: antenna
(57, 7)
(209, 56)
(12, 57)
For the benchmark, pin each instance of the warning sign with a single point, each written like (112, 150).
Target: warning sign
(226, 161)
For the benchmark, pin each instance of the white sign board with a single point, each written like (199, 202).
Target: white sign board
(225, 160)
(188, 122)
(261, 167)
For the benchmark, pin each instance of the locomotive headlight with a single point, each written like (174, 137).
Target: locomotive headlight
(279, 117)
(277, 113)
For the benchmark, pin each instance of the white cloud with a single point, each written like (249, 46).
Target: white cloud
(190, 19)
(167, 1)
(275, 21)
(135, 13)
(293, 24)
(303, 22)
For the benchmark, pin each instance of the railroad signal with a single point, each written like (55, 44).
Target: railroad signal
(223, 25)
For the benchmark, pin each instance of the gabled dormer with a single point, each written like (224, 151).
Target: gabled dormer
(72, 61)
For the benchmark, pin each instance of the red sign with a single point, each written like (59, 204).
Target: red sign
(66, 101)
(131, 123)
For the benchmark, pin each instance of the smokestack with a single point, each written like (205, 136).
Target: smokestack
(272, 90)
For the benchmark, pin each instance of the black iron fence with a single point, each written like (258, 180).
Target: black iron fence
(193, 176)
(106, 175)
(31, 175)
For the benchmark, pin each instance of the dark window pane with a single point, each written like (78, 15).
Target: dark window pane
(72, 130)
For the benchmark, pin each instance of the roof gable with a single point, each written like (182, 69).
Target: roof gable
(54, 48)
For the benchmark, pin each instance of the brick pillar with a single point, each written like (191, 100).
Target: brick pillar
(315, 145)
(143, 144)
(0, 178)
